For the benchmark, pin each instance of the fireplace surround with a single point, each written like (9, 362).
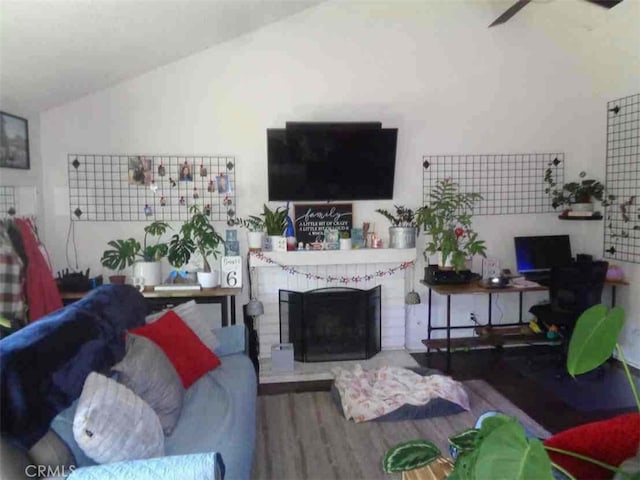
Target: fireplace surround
(331, 324)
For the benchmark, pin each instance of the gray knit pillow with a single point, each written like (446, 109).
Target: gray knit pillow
(147, 371)
(113, 424)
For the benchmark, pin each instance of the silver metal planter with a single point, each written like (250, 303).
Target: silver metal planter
(402, 237)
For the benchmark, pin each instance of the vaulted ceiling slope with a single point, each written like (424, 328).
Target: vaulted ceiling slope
(55, 51)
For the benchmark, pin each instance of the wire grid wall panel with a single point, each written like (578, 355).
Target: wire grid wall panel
(622, 217)
(109, 188)
(509, 183)
(7, 201)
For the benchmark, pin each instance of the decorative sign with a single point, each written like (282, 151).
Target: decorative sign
(231, 272)
(312, 220)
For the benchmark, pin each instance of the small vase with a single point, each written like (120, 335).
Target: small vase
(345, 244)
(117, 279)
(582, 207)
(209, 279)
(402, 237)
(150, 272)
(278, 243)
(254, 240)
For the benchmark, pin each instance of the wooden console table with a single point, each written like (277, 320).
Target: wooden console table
(493, 339)
(156, 301)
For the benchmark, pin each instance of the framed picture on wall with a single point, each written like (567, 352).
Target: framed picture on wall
(14, 141)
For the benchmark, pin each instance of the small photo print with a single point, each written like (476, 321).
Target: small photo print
(185, 172)
(223, 184)
(140, 172)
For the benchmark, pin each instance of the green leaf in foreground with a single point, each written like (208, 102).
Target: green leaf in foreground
(410, 455)
(465, 440)
(506, 453)
(594, 338)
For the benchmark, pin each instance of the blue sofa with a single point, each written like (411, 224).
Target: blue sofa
(219, 410)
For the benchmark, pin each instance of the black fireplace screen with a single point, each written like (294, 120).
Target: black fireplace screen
(331, 323)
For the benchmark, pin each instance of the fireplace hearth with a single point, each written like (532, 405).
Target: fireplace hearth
(330, 324)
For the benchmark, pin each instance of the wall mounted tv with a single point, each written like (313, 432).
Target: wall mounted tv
(331, 161)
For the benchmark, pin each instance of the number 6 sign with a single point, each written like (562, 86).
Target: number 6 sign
(231, 272)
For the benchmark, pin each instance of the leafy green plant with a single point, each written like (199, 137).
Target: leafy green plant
(500, 449)
(582, 191)
(153, 252)
(275, 221)
(196, 234)
(403, 217)
(410, 455)
(447, 218)
(121, 255)
(253, 223)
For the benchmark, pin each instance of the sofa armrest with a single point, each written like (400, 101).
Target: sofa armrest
(233, 339)
(198, 466)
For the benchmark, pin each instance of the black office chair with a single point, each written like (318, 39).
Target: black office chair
(572, 290)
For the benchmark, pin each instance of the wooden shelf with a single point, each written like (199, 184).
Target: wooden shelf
(494, 339)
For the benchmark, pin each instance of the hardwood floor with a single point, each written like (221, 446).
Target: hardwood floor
(543, 405)
(496, 367)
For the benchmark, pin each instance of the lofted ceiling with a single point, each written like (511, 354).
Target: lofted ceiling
(55, 51)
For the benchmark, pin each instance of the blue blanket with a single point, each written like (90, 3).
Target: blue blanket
(43, 366)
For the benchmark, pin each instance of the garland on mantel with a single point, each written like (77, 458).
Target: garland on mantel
(330, 278)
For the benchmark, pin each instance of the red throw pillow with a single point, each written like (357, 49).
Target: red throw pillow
(190, 357)
(610, 441)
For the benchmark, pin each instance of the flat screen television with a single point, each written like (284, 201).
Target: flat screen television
(327, 162)
(542, 253)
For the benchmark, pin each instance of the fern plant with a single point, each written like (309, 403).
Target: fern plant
(404, 217)
(447, 218)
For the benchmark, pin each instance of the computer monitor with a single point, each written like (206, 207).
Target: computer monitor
(540, 254)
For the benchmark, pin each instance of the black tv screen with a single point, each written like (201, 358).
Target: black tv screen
(332, 162)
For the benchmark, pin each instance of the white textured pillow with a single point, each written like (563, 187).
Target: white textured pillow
(113, 424)
(190, 313)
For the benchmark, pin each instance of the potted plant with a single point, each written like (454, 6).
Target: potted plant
(578, 196)
(197, 235)
(275, 222)
(149, 269)
(345, 240)
(403, 229)
(255, 234)
(500, 448)
(121, 255)
(447, 219)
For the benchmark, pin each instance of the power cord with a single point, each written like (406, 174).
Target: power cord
(71, 234)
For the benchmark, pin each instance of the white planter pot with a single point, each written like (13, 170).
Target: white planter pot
(345, 244)
(254, 240)
(278, 243)
(582, 207)
(209, 279)
(147, 274)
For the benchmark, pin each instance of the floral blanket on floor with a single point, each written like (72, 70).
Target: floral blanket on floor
(368, 394)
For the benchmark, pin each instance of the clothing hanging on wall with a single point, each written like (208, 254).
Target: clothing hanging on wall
(12, 306)
(40, 287)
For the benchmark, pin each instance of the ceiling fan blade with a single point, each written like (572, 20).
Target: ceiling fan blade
(605, 3)
(510, 12)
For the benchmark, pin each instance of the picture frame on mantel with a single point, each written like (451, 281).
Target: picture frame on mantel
(14, 142)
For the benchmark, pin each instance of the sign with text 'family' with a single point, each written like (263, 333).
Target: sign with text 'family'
(312, 220)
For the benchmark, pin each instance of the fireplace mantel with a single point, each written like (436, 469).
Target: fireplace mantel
(335, 257)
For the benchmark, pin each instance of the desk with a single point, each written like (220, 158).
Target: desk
(475, 288)
(225, 297)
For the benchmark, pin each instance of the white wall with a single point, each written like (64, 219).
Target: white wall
(27, 183)
(432, 69)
